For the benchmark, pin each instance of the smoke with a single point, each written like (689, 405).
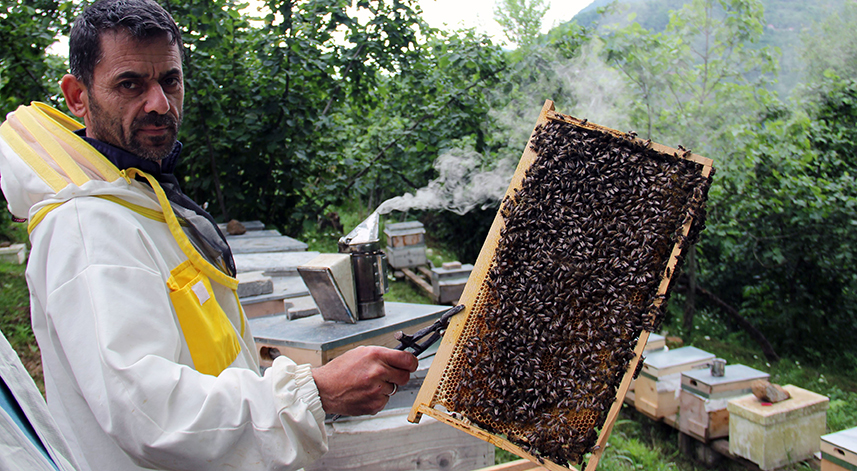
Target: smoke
(583, 86)
(463, 183)
(598, 90)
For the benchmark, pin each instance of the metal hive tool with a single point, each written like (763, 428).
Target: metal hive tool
(572, 278)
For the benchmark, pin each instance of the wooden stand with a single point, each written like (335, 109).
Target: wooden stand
(427, 402)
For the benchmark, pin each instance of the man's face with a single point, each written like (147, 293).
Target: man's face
(135, 99)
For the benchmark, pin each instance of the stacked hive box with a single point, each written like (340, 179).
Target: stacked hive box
(658, 386)
(657, 343)
(406, 244)
(703, 399)
(571, 281)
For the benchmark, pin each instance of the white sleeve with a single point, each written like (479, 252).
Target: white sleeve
(110, 316)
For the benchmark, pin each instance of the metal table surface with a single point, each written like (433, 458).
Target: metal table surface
(314, 333)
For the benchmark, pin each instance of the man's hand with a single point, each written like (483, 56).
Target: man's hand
(359, 381)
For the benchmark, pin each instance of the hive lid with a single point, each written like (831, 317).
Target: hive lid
(735, 381)
(403, 228)
(802, 403)
(672, 361)
(846, 439)
(732, 374)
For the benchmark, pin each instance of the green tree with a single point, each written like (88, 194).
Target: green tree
(27, 71)
(780, 242)
(830, 46)
(695, 80)
(521, 19)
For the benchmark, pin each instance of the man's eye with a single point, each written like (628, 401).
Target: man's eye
(128, 85)
(172, 82)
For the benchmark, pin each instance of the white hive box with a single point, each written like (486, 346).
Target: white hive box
(656, 343)
(839, 451)
(447, 283)
(406, 244)
(658, 386)
(703, 399)
(776, 435)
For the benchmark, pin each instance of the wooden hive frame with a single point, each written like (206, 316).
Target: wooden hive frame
(427, 398)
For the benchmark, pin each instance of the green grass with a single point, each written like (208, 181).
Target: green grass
(15, 318)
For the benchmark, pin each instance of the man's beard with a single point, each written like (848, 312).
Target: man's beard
(109, 129)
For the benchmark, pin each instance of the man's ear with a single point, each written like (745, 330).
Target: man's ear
(75, 94)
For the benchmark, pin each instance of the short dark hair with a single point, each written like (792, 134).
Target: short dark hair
(143, 19)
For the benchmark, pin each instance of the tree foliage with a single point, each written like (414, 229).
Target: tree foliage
(27, 71)
(781, 240)
(521, 19)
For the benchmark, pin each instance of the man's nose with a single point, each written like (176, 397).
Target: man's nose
(156, 100)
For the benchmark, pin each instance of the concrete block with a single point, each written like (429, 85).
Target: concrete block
(298, 308)
(254, 283)
(15, 253)
(779, 434)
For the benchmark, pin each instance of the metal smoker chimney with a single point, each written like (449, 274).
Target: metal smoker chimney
(369, 265)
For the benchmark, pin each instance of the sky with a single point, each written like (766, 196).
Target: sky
(479, 14)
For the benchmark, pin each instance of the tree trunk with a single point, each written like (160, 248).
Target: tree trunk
(733, 314)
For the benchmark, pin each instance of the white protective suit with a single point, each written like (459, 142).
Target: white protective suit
(147, 358)
(17, 452)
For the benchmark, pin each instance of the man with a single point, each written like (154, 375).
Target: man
(147, 358)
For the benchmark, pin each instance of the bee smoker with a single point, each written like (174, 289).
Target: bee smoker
(369, 265)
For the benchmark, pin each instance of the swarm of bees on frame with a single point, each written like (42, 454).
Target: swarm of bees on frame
(573, 282)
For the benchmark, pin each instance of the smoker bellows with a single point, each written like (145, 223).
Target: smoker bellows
(570, 282)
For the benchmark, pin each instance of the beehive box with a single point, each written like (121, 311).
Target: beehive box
(656, 343)
(403, 234)
(572, 278)
(839, 451)
(778, 434)
(406, 244)
(447, 284)
(703, 399)
(659, 383)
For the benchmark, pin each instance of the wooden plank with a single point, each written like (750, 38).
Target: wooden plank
(617, 404)
(417, 280)
(517, 465)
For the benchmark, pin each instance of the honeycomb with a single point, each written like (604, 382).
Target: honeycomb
(582, 266)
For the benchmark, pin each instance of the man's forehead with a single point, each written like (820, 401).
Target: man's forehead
(119, 49)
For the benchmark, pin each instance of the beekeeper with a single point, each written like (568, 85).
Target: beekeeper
(147, 356)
